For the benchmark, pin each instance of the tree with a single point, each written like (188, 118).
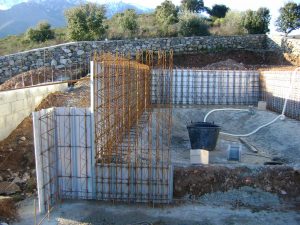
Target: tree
(257, 22)
(193, 5)
(218, 11)
(86, 22)
(193, 25)
(289, 18)
(166, 13)
(128, 21)
(41, 33)
(231, 24)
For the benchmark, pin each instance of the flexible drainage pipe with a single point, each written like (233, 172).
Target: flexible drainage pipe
(281, 116)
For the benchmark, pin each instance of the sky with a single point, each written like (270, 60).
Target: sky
(240, 5)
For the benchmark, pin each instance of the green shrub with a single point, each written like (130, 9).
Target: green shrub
(86, 22)
(231, 24)
(193, 25)
(41, 33)
(256, 22)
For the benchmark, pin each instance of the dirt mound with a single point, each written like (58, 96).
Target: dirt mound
(250, 59)
(42, 75)
(197, 181)
(228, 64)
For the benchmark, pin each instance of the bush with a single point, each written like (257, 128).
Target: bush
(166, 13)
(231, 24)
(86, 22)
(193, 5)
(218, 11)
(128, 21)
(41, 33)
(257, 22)
(193, 25)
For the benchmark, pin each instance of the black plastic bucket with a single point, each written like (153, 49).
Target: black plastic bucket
(203, 135)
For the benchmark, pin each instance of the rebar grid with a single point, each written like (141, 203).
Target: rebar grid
(132, 133)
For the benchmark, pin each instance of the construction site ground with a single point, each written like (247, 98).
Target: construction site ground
(246, 192)
(246, 206)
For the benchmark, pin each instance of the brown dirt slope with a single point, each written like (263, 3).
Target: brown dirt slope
(17, 150)
(250, 59)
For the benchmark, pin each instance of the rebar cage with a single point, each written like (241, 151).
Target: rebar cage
(133, 132)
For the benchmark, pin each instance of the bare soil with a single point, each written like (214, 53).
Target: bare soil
(17, 161)
(197, 181)
(8, 209)
(249, 59)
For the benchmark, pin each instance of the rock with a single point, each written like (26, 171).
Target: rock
(283, 192)
(268, 188)
(66, 50)
(11, 62)
(23, 138)
(53, 62)
(63, 61)
(10, 150)
(25, 177)
(17, 180)
(8, 188)
(1, 178)
(80, 52)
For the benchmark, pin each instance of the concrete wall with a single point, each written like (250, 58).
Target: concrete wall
(17, 104)
(60, 56)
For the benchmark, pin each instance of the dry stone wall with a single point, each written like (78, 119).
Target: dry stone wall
(64, 55)
(78, 53)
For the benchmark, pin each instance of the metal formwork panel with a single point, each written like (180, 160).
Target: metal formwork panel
(210, 87)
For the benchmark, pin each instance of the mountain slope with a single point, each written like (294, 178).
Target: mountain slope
(21, 16)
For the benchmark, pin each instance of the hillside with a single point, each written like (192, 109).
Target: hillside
(22, 15)
(18, 43)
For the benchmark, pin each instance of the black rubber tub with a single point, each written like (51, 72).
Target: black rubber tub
(203, 135)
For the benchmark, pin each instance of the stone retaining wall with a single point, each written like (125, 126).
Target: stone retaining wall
(64, 55)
